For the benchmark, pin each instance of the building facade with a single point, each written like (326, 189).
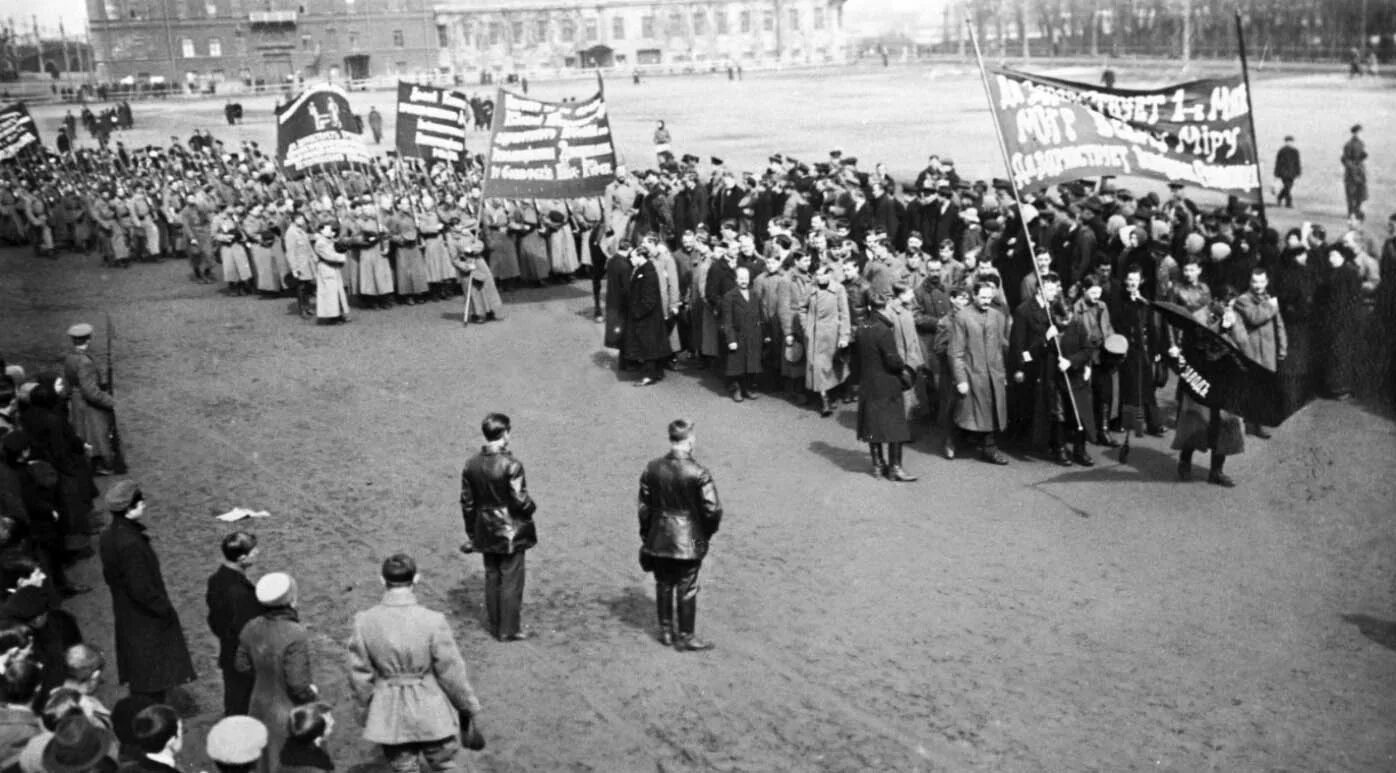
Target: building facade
(531, 35)
(203, 41)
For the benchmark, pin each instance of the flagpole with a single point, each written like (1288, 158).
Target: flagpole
(1250, 117)
(1023, 223)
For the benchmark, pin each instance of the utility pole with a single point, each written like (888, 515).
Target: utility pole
(1187, 33)
(169, 39)
(38, 45)
(1362, 49)
(1023, 28)
(63, 37)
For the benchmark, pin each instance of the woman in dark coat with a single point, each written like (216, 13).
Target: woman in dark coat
(53, 440)
(742, 337)
(645, 338)
(1337, 309)
(151, 654)
(881, 406)
(1295, 284)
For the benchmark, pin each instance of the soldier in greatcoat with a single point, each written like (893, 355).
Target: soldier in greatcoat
(91, 408)
(978, 338)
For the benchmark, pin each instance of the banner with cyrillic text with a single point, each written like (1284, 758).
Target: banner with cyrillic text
(431, 122)
(319, 130)
(18, 133)
(1196, 133)
(553, 150)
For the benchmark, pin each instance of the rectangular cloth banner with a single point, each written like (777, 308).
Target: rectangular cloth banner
(549, 150)
(1218, 374)
(17, 132)
(318, 129)
(1196, 133)
(431, 122)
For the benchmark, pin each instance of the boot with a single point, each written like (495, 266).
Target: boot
(825, 409)
(665, 607)
(688, 616)
(735, 391)
(894, 468)
(1185, 466)
(879, 467)
(1217, 477)
(797, 389)
(1060, 455)
(748, 390)
(1079, 454)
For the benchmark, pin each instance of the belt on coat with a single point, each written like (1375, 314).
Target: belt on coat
(402, 679)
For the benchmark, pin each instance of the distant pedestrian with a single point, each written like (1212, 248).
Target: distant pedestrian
(375, 124)
(498, 513)
(406, 670)
(1355, 173)
(679, 514)
(1287, 170)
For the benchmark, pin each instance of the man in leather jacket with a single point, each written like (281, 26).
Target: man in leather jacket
(498, 516)
(679, 513)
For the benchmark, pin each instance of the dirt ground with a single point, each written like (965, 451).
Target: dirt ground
(1018, 618)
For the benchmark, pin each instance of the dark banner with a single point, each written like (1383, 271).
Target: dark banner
(1196, 133)
(431, 122)
(1217, 374)
(549, 150)
(318, 129)
(18, 133)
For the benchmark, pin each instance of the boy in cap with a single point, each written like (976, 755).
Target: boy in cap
(236, 743)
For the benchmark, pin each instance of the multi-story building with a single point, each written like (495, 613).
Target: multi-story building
(197, 41)
(524, 35)
(202, 41)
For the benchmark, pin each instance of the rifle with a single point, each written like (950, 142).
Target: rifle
(118, 456)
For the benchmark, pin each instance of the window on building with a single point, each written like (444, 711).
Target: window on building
(496, 33)
(540, 31)
(516, 30)
(567, 31)
(618, 28)
(186, 47)
(675, 23)
(111, 10)
(353, 41)
(768, 21)
(818, 18)
(397, 39)
(443, 37)
(592, 32)
(794, 19)
(745, 20)
(305, 42)
(215, 47)
(720, 21)
(646, 26)
(700, 22)
(211, 9)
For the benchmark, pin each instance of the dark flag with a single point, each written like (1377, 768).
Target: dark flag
(431, 122)
(1197, 133)
(318, 129)
(1217, 374)
(18, 134)
(549, 150)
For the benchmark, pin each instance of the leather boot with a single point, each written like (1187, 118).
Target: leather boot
(797, 388)
(1185, 466)
(1079, 454)
(748, 390)
(825, 409)
(665, 606)
(879, 465)
(688, 616)
(894, 466)
(1217, 477)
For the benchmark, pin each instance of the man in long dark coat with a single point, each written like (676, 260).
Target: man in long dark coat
(232, 602)
(618, 270)
(743, 335)
(1355, 173)
(151, 654)
(881, 405)
(646, 337)
(1134, 319)
(1287, 170)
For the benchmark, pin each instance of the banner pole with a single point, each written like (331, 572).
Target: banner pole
(1250, 118)
(1023, 223)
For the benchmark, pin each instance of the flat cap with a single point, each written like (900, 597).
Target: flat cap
(121, 494)
(236, 740)
(80, 330)
(277, 589)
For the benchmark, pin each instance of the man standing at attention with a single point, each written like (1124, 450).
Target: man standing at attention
(679, 514)
(232, 602)
(405, 667)
(498, 516)
(91, 408)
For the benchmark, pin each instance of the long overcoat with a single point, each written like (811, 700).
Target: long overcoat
(881, 405)
(1264, 337)
(151, 654)
(405, 666)
(645, 337)
(825, 322)
(741, 323)
(978, 338)
(90, 408)
(330, 299)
